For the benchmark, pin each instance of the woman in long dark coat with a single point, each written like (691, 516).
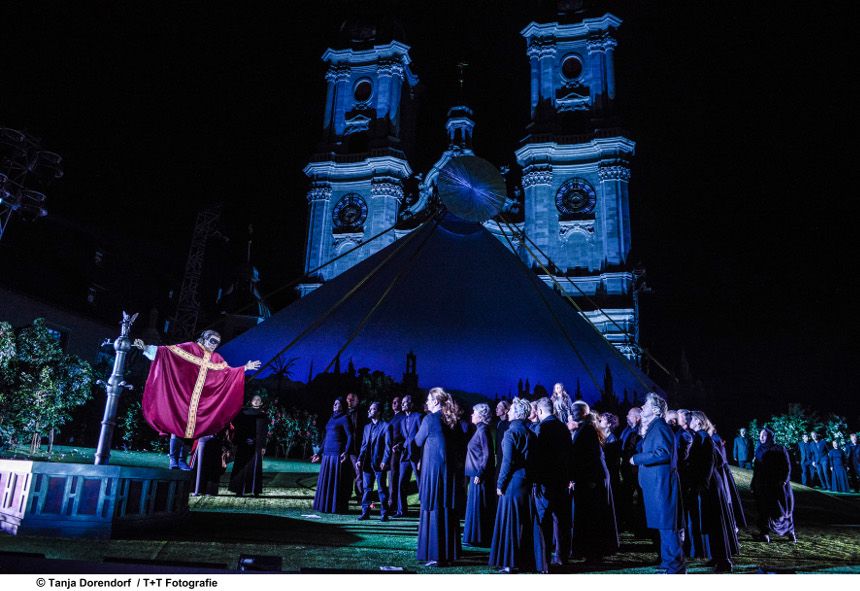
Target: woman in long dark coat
(838, 474)
(335, 478)
(714, 513)
(440, 488)
(771, 487)
(517, 539)
(612, 454)
(250, 436)
(729, 480)
(595, 529)
(480, 474)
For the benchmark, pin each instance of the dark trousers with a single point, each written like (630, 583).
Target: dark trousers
(822, 469)
(807, 474)
(403, 479)
(671, 551)
(553, 510)
(368, 480)
(394, 481)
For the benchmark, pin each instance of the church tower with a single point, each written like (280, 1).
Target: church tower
(575, 162)
(358, 171)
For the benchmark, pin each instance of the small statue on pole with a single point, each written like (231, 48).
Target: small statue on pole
(114, 387)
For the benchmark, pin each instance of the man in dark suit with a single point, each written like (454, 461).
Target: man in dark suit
(820, 459)
(684, 441)
(396, 452)
(410, 453)
(357, 426)
(374, 460)
(552, 478)
(743, 450)
(852, 451)
(807, 470)
(658, 477)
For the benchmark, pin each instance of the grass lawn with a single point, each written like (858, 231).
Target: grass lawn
(221, 528)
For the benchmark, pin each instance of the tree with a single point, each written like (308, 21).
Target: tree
(40, 384)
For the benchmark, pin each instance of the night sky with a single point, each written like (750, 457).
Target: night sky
(741, 198)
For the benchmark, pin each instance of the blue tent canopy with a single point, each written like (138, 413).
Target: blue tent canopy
(476, 318)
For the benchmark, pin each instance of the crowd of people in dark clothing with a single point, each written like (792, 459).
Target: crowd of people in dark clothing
(550, 481)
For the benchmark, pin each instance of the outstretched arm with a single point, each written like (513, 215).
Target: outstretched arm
(252, 366)
(149, 351)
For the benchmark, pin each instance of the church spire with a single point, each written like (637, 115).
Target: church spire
(460, 124)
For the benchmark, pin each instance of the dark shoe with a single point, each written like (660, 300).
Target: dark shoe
(431, 563)
(505, 570)
(723, 567)
(399, 514)
(363, 517)
(792, 537)
(764, 538)
(384, 518)
(174, 464)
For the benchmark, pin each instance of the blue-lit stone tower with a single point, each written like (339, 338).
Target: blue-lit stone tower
(575, 162)
(358, 172)
(574, 158)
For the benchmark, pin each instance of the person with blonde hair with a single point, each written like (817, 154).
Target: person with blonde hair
(440, 488)
(480, 473)
(517, 540)
(714, 512)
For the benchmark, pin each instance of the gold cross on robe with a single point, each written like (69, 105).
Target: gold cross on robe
(205, 365)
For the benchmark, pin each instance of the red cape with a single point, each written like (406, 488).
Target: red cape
(173, 400)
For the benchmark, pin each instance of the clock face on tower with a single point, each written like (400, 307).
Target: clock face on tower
(350, 213)
(575, 197)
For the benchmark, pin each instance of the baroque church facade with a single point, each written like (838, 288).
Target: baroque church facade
(572, 203)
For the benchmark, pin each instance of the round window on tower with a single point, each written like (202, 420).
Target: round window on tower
(571, 67)
(362, 91)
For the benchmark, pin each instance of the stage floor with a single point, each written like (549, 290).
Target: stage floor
(281, 523)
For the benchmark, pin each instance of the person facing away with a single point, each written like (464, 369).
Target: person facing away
(517, 539)
(595, 529)
(633, 513)
(552, 476)
(743, 451)
(191, 391)
(373, 461)
(480, 474)
(440, 489)
(807, 467)
(771, 487)
(658, 477)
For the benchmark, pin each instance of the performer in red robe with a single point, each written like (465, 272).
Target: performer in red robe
(191, 391)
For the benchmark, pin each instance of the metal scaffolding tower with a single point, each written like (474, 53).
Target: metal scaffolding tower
(26, 170)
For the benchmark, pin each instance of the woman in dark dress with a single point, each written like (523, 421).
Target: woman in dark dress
(771, 488)
(440, 488)
(480, 475)
(335, 479)
(612, 454)
(595, 530)
(731, 487)
(251, 431)
(713, 511)
(517, 539)
(838, 474)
